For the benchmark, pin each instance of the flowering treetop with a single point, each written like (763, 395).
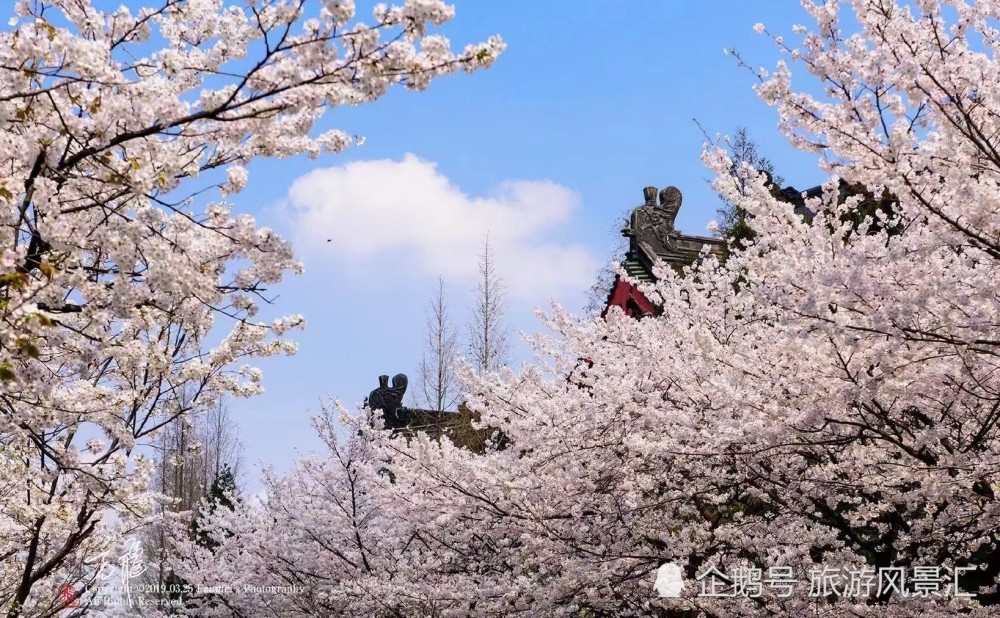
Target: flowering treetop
(111, 273)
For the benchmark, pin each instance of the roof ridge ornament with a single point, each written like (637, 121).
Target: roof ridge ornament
(654, 221)
(653, 238)
(389, 399)
(649, 196)
(670, 201)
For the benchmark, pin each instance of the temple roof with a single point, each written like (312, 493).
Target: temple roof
(459, 426)
(798, 198)
(637, 270)
(652, 236)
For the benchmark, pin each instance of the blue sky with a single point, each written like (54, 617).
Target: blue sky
(546, 150)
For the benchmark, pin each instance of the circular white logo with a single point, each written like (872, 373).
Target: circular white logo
(669, 580)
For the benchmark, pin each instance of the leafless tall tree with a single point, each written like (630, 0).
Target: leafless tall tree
(488, 333)
(604, 278)
(191, 451)
(437, 383)
(220, 444)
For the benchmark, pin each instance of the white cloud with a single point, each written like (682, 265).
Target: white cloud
(406, 212)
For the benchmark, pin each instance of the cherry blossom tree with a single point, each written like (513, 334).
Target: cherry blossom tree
(330, 539)
(117, 264)
(826, 401)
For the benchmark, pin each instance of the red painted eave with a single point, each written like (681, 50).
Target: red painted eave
(622, 292)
